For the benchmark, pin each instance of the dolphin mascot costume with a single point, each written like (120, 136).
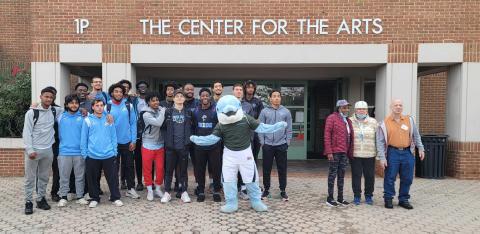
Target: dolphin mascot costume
(235, 127)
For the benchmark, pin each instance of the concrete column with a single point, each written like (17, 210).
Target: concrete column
(462, 124)
(114, 72)
(463, 109)
(50, 74)
(396, 80)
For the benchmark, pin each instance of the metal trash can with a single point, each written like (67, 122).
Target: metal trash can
(434, 166)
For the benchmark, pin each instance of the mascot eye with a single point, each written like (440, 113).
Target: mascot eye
(230, 113)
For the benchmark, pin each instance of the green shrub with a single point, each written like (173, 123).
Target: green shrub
(15, 99)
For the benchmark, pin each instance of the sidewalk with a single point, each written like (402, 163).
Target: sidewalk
(441, 206)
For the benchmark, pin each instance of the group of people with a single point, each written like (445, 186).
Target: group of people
(149, 137)
(360, 139)
(152, 138)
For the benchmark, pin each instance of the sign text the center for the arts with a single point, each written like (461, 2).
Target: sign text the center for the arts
(231, 27)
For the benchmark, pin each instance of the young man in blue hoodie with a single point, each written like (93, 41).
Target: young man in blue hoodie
(70, 129)
(126, 126)
(38, 136)
(275, 145)
(98, 144)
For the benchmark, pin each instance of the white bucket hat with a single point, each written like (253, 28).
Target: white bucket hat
(361, 104)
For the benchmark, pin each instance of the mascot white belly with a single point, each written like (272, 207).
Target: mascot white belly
(234, 129)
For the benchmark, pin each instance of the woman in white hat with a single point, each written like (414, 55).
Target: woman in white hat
(363, 162)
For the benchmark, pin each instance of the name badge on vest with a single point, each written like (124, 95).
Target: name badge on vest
(404, 127)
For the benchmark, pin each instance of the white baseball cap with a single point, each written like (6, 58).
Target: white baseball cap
(361, 104)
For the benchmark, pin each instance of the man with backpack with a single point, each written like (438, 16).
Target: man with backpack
(55, 149)
(126, 126)
(178, 128)
(38, 137)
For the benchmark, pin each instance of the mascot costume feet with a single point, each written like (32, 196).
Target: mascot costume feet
(234, 128)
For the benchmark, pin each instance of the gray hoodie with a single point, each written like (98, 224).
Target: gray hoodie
(153, 121)
(40, 136)
(270, 115)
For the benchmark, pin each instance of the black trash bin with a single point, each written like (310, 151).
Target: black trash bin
(434, 166)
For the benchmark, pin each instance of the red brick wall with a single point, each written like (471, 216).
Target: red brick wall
(11, 162)
(463, 160)
(433, 101)
(15, 36)
(118, 21)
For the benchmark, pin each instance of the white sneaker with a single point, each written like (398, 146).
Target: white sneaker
(132, 193)
(185, 197)
(150, 195)
(86, 196)
(158, 193)
(62, 203)
(82, 201)
(118, 203)
(166, 198)
(243, 194)
(93, 204)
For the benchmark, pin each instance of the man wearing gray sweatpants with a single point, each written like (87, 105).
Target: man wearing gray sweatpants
(38, 137)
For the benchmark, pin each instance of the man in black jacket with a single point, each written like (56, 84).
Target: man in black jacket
(178, 125)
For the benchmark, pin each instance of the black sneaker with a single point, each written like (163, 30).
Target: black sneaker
(217, 197)
(201, 197)
(139, 187)
(343, 203)
(195, 191)
(332, 203)
(179, 194)
(28, 208)
(265, 194)
(284, 195)
(388, 204)
(405, 205)
(123, 186)
(42, 204)
(55, 197)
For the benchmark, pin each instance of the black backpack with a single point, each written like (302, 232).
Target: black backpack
(36, 115)
(141, 128)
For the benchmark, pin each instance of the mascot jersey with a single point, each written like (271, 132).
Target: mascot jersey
(236, 136)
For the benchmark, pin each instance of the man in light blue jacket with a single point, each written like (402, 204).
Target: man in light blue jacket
(70, 128)
(98, 144)
(126, 126)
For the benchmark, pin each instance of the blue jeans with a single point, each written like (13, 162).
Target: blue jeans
(399, 162)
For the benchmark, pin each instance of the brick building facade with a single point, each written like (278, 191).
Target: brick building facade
(428, 54)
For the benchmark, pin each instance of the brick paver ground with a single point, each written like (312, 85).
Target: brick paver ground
(441, 206)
